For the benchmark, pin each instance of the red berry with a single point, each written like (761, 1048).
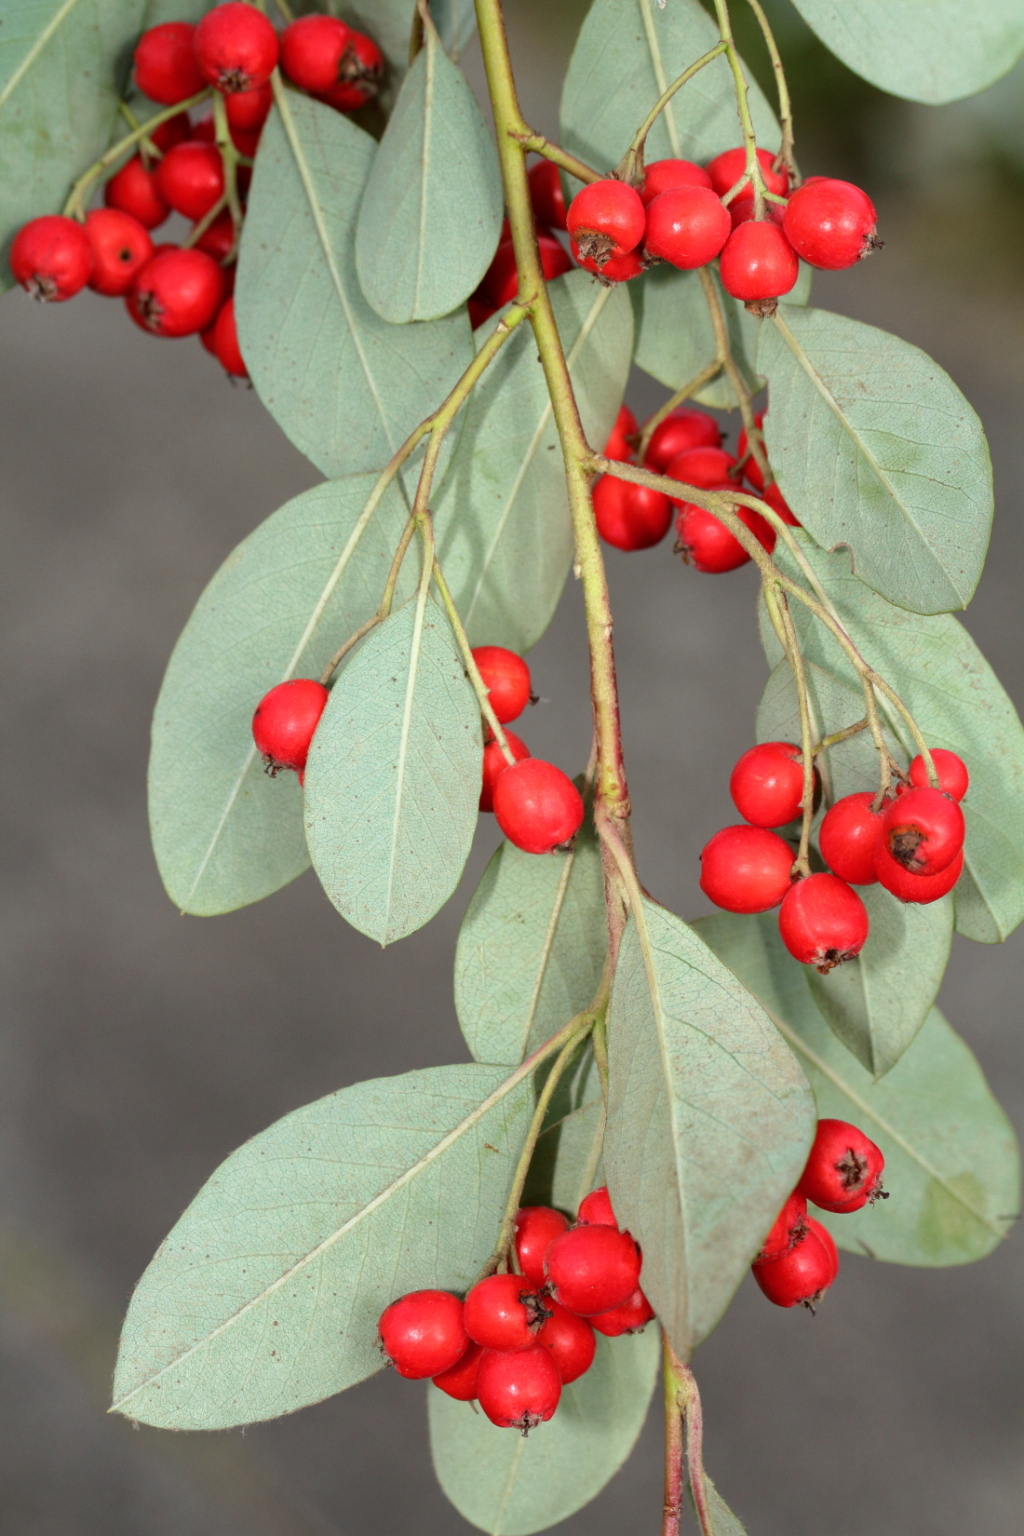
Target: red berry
(206, 338)
(51, 257)
(312, 49)
(249, 110)
(422, 1334)
(459, 1380)
(803, 1275)
(617, 269)
(134, 190)
(518, 1391)
(165, 63)
(570, 1342)
(952, 771)
(175, 131)
(503, 1312)
(236, 47)
(823, 922)
(176, 293)
(591, 1269)
(596, 1209)
(924, 830)
(758, 262)
(479, 310)
(190, 178)
(827, 1241)
(618, 445)
(225, 342)
(537, 807)
(359, 74)
(704, 467)
(849, 836)
(741, 211)
(629, 1318)
(537, 1226)
(789, 1228)
(686, 226)
(666, 175)
(683, 429)
(844, 1168)
(605, 219)
(919, 889)
(506, 678)
(750, 468)
(218, 239)
(546, 196)
(746, 869)
(120, 246)
(726, 169)
(630, 516)
(495, 763)
(500, 283)
(705, 543)
(767, 784)
(285, 721)
(830, 223)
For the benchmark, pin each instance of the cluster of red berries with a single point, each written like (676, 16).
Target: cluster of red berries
(173, 290)
(912, 843)
(678, 216)
(517, 1339)
(798, 1259)
(536, 805)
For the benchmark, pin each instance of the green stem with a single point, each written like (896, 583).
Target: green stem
(631, 168)
(672, 1508)
(753, 172)
(837, 736)
(229, 157)
(469, 662)
(723, 351)
(796, 662)
(785, 155)
(695, 1448)
(537, 144)
(654, 422)
(74, 208)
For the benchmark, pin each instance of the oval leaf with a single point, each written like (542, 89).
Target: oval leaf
(431, 213)
(344, 385)
(265, 1296)
(509, 1485)
(393, 778)
(709, 1120)
(875, 447)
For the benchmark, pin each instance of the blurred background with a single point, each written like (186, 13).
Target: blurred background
(141, 1047)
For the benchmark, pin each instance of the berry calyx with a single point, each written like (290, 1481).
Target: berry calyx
(844, 1168)
(952, 771)
(285, 721)
(236, 47)
(666, 175)
(788, 1229)
(596, 1209)
(605, 219)
(704, 467)
(726, 169)
(422, 1334)
(51, 258)
(546, 196)
(570, 1341)
(190, 178)
(537, 806)
(134, 190)
(503, 1312)
(312, 50)
(165, 63)
(622, 436)
(518, 1391)
(500, 283)
(803, 1275)
(495, 763)
(506, 678)
(683, 429)
(823, 922)
(746, 869)
(537, 1226)
(120, 246)
(631, 1317)
(630, 516)
(767, 784)
(591, 1269)
(359, 74)
(686, 226)
(832, 224)
(920, 890)
(176, 293)
(924, 830)
(225, 342)
(758, 263)
(849, 837)
(459, 1380)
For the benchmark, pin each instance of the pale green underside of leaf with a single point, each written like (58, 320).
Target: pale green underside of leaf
(510, 1484)
(951, 1163)
(875, 447)
(345, 386)
(723, 1521)
(531, 948)
(709, 1120)
(567, 1163)
(958, 702)
(431, 214)
(502, 516)
(265, 1296)
(926, 50)
(393, 777)
(389, 22)
(224, 833)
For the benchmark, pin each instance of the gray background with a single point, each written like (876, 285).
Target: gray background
(141, 1047)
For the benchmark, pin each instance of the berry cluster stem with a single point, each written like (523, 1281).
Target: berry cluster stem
(74, 207)
(785, 156)
(631, 168)
(753, 170)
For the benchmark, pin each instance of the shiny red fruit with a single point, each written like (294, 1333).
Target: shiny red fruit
(849, 837)
(285, 721)
(479, 310)
(605, 219)
(165, 63)
(684, 429)
(746, 869)
(705, 543)
(952, 771)
(924, 830)
(803, 1275)
(503, 1312)
(630, 516)
(633, 1315)
(500, 283)
(592, 1269)
(726, 169)
(823, 922)
(422, 1333)
(844, 1168)
(247, 111)
(537, 807)
(176, 293)
(546, 196)
(686, 226)
(831, 224)
(618, 445)
(225, 342)
(51, 257)
(190, 178)
(312, 50)
(360, 73)
(570, 1341)
(758, 262)
(236, 47)
(596, 1209)
(506, 678)
(537, 1226)
(120, 246)
(704, 467)
(459, 1380)
(134, 190)
(789, 1228)
(750, 468)
(666, 175)
(494, 764)
(741, 211)
(521, 1390)
(218, 238)
(767, 784)
(775, 499)
(175, 131)
(617, 269)
(921, 890)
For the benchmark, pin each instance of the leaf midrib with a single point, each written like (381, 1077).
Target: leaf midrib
(415, 645)
(54, 24)
(429, 68)
(658, 65)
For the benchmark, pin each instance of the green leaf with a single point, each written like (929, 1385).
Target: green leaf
(344, 385)
(958, 702)
(509, 1484)
(627, 53)
(502, 516)
(723, 1521)
(282, 603)
(926, 50)
(709, 1120)
(265, 1295)
(567, 1163)
(389, 22)
(531, 948)
(951, 1163)
(431, 214)
(874, 446)
(393, 778)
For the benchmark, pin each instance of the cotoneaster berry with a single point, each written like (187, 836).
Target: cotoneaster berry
(704, 541)
(500, 282)
(686, 226)
(630, 516)
(503, 1312)
(360, 73)
(726, 169)
(312, 50)
(775, 499)
(570, 1341)
(247, 111)
(190, 178)
(546, 196)
(921, 890)
(952, 771)
(176, 293)
(120, 246)
(506, 678)
(803, 1275)
(422, 1334)
(844, 1168)
(666, 175)
(924, 830)
(630, 1317)
(51, 258)
(165, 63)
(758, 263)
(704, 467)
(285, 721)
(684, 429)
(617, 269)
(831, 224)
(619, 445)
(750, 468)
(767, 784)
(218, 238)
(494, 764)
(225, 342)
(518, 1391)
(235, 47)
(823, 922)
(746, 869)
(175, 131)
(605, 219)
(789, 1228)
(596, 1209)
(134, 190)
(537, 1226)
(459, 1380)
(742, 209)
(537, 807)
(849, 836)
(592, 1268)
